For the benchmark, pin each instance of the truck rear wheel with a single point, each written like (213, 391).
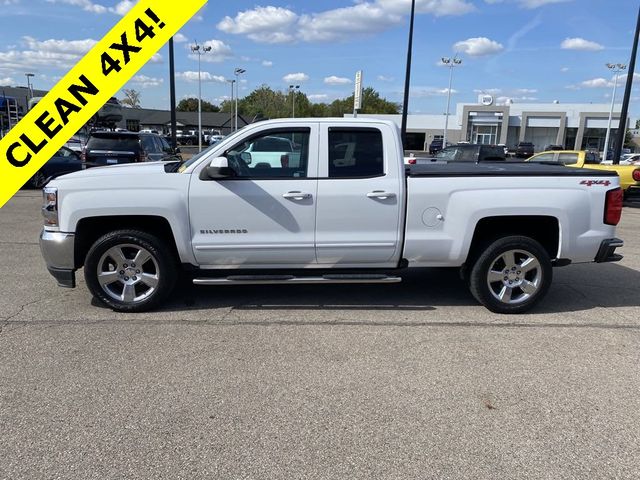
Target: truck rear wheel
(130, 271)
(511, 275)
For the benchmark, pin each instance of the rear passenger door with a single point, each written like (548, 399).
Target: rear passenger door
(360, 197)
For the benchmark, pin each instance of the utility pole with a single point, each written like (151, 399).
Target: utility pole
(172, 93)
(237, 72)
(407, 78)
(449, 62)
(622, 128)
(200, 50)
(616, 68)
(232, 82)
(29, 85)
(293, 89)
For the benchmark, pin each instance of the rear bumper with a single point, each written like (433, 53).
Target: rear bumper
(606, 252)
(58, 252)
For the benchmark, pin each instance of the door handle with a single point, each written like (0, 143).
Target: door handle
(297, 195)
(381, 194)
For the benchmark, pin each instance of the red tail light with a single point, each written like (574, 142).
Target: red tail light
(284, 161)
(636, 175)
(613, 207)
(412, 161)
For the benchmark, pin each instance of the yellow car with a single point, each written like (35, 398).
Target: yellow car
(629, 174)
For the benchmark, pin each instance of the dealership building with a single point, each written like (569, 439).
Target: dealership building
(575, 126)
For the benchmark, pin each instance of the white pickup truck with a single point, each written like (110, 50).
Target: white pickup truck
(325, 220)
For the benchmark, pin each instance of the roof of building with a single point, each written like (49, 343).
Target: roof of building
(147, 116)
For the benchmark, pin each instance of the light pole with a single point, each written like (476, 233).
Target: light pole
(232, 82)
(237, 72)
(407, 77)
(29, 87)
(199, 50)
(449, 62)
(293, 89)
(616, 68)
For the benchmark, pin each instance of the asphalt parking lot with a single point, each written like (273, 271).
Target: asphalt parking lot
(413, 380)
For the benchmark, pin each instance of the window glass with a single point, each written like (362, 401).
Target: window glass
(148, 144)
(165, 145)
(591, 158)
(356, 152)
(568, 158)
(118, 144)
(447, 154)
(273, 154)
(466, 154)
(544, 157)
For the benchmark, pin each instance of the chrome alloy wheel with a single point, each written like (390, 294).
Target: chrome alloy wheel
(128, 273)
(514, 276)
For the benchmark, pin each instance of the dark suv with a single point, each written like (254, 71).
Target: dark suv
(524, 150)
(112, 148)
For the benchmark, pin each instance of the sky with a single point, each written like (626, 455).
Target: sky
(528, 51)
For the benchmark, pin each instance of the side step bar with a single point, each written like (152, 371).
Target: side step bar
(290, 279)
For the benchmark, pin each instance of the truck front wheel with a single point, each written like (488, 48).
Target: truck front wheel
(511, 275)
(130, 271)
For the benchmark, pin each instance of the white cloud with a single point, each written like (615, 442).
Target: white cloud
(564, 69)
(333, 80)
(282, 25)
(318, 97)
(262, 24)
(146, 82)
(478, 46)
(86, 5)
(597, 83)
(52, 53)
(384, 78)
(421, 92)
(206, 77)
(180, 38)
(580, 44)
(338, 24)
(295, 77)
(267, 63)
(523, 91)
(488, 91)
(531, 4)
(438, 8)
(219, 52)
(123, 7)
(7, 81)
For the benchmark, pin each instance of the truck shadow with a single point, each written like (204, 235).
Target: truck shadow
(575, 288)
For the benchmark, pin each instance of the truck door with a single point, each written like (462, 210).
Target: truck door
(265, 215)
(360, 196)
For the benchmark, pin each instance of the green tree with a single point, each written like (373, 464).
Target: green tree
(191, 105)
(628, 139)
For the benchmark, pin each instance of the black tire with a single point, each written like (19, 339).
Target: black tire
(38, 180)
(145, 285)
(503, 289)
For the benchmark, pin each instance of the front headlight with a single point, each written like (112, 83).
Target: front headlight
(50, 206)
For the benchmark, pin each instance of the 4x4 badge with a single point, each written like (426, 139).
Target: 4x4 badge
(590, 183)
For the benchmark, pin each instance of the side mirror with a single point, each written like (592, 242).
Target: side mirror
(217, 169)
(246, 157)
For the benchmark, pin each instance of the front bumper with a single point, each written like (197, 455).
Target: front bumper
(58, 251)
(606, 253)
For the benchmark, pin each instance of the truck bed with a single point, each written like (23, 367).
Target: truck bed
(522, 169)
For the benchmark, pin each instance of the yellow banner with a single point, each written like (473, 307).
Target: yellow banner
(86, 88)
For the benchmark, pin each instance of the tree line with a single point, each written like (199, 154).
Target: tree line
(265, 102)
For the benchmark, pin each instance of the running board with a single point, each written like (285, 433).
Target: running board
(290, 279)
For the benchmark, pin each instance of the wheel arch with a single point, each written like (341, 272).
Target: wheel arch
(545, 229)
(90, 229)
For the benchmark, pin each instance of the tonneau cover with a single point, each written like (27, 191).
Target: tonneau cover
(520, 169)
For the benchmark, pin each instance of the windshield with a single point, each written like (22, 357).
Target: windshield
(195, 158)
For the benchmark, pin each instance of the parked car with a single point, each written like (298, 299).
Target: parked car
(75, 143)
(435, 146)
(112, 148)
(132, 227)
(629, 174)
(64, 161)
(524, 150)
(550, 148)
(213, 139)
(464, 152)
